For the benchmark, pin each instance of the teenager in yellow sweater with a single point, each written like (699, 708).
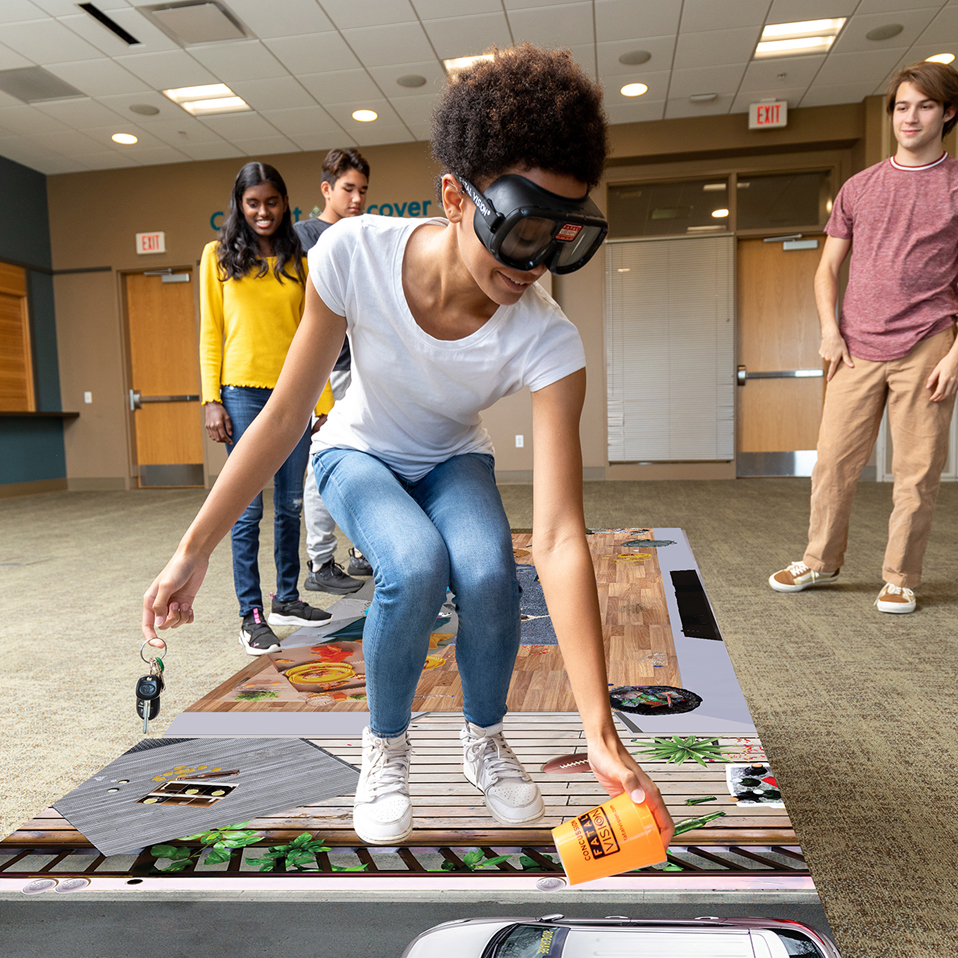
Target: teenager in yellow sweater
(252, 290)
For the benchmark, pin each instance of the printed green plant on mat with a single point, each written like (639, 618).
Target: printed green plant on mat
(474, 861)
(687, 824)
(677, 750)
(299, 855)
(257, 696)
(218, 843)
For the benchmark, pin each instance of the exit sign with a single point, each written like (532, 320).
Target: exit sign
(151, 242)
(767, 114)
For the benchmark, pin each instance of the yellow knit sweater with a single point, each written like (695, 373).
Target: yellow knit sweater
(246, 327)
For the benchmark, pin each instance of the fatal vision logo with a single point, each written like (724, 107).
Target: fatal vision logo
(597, 832)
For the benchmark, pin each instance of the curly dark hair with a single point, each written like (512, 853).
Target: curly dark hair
(527, 107)
(239, 247)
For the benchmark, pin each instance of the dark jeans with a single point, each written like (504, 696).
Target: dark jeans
(243, 404)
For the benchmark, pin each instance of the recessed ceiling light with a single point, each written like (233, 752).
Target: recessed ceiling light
(884, 32)
(634, 57)
(125, 138)
(207, 100)
(365, 116)
(941, 58)
(719, 214)
(411, 80)
(144, 109)
(456, 64)
(634, 89)
(797, 38)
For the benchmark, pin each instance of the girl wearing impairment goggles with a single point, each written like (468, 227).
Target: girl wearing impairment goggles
(444, 317)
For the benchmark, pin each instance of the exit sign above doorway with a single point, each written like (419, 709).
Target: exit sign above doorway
(767, 114)
(151, 242)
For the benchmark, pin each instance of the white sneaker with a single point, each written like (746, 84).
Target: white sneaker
(894, 598)
(382, 813)
(511, 796)
(797, 577)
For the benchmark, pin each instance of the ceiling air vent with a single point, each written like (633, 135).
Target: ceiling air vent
(196, 21)
(34, 85)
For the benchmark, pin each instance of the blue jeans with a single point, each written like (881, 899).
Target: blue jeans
(446, 530)
(243, 404)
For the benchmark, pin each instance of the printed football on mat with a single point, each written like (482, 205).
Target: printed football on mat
(567, 765)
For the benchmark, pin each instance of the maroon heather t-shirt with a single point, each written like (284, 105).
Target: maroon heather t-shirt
(903, 223)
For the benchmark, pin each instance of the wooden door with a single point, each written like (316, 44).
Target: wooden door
(16, 364)
(781, 386)
(165, 380)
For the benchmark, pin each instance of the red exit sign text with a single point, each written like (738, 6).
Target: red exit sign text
(767, 115)
(151, 242)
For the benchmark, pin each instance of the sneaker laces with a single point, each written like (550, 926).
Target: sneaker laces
(892, 589)
(798, 568)
(386, 772)
(503, 764)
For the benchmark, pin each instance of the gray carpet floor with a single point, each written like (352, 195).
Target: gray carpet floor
(858, 710)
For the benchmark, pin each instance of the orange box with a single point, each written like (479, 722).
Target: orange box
(611, 838)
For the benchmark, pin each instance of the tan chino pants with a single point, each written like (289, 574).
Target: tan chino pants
(854, 401)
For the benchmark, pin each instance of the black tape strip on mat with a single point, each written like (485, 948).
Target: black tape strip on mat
(694, 609)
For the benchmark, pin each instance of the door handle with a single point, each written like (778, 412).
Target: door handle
(137, 399)
(742, 374)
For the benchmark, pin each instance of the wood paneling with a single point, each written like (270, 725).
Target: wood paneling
(16, 362)
(169, 433)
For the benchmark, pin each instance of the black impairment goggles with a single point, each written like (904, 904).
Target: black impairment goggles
(537, 226)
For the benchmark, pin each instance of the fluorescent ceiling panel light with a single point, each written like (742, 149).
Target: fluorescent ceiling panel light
(456, 64)
(207, 100)
(798, 38)
(941, 58)
(196, 21)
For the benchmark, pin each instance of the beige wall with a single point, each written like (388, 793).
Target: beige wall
(95, 216)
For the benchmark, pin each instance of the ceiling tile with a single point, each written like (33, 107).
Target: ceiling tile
(584, 56)
(239, 60)
(699, 15)
(840, 93)
(851, 67)
(106, 161)
(318, 51)
(557, 26)
(767, 74)
(67, 142)
(47, 41)
(437, 9)
(328, 140)
(27, 119)
(705, 80)
(416, 109)
(682, 106)
(717, 48)
(347, 14)
(420, 131)
(63, 8)
(146, 139)
(943, 27)
(62, 164)
(152, 39)
(384, 135)
(14, 148)
(467, 36)
(275, 93)
(921, 51)
(13, 10)
(158, 155)
(635, 112)
(788, 11)
(7, 100)
(342, 113)
(303, 121)
(511, 5)
(167, 70)
(98, 77)
(211, 151)
(343, 86)
(78, 113)
(239, 125)
(120, 103)
(661, 48)
(9, 60)
(658, 84)
(180, 133)
(266, 145)
(385, 45)
(853, 36)
(430, 70)
(793, 95)
(892, 6)
(615, 19)
(299, 17)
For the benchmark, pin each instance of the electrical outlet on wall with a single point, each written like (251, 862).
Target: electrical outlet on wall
(88, 397)
(520, 441)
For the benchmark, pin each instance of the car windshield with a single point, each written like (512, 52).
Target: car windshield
(532, 941)
(798, 944)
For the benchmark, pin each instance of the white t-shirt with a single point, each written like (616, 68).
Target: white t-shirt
(414, 400)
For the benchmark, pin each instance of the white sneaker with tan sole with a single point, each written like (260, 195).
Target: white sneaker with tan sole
(895, 598)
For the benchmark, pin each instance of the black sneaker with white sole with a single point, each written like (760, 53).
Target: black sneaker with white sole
(358, 563)
(296, 612)
(329, 577)
(256, 636)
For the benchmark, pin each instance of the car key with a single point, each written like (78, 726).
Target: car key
(148, 689)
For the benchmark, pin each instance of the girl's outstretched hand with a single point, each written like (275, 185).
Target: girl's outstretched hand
(168, 602)
(617, 771)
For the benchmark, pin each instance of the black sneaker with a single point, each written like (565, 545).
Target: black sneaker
(329, 577)
(256, 636)
(296, 612)
(358, 563)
